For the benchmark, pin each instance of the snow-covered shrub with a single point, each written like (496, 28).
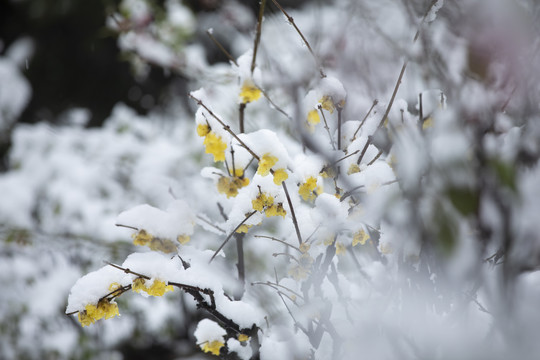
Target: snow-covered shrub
(368, 189)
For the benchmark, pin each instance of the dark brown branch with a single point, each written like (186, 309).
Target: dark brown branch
(258, 34)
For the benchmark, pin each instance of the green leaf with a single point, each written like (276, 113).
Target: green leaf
(463, 199)
(506, 173)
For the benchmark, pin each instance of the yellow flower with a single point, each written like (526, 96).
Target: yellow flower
(428, 123)
(92, 313)
(313, 117)
(340, 248)
(164, 245)
(327, 103)
(243, 337)
(142, 238)
(183, 239)
(328, 241)
(263, 200)
(239, 172)
(158, 288)
(243, 228)
(203, 129)
(249, 92)
(280, 175)
(309, 190)
(266, 163)
(229, 186)
(361, 237)
(304, 247)
(215, 146)
(114, 286)
(298, 273)
(212, 347)
(275, 210)
(386, 248)
(353, 169)
(327, 172)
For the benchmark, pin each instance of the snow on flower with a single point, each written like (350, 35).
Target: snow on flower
(152, 288)
(175, 223)
(210, 336)
(249, 92)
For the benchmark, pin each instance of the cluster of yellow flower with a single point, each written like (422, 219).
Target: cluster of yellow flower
(143, 238)
(230, 185)
(213, 143)
(309, 189)
(158, 287)
(266, 163)
(360, 237)
(103, 309)
(301, 270)
(265, 202)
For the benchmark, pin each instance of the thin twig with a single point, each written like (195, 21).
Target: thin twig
(258, 34)
(326, 127)
(375, 102)
(231, 234)
(225, 126)
(127, 271)
(274, 104)
(293, 215)
(375, 158)
(209, 223)
(385, 116)
(339, 110)
(291, 21)
(276, 285)
(127, 226)
(241, 109)
(278, 240)
(218, 44)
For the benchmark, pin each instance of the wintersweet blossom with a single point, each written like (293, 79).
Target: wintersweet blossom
(212, 347)
(91, 313)
(215, 145)
(275, 210)
(301, 270)
(143, 238)
(183, 239)
(313, 117)
(265, 202)
(327, 103)
(360, 237)
(158, 287)
(243, 337)
(230, 185)
(353, 169)
(340, 248)
(309, 189)
(249, 92)
(266, 163)
(243, 228)
(203, 130)
(280, 175)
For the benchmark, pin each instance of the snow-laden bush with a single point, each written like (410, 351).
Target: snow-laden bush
(372, 191)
